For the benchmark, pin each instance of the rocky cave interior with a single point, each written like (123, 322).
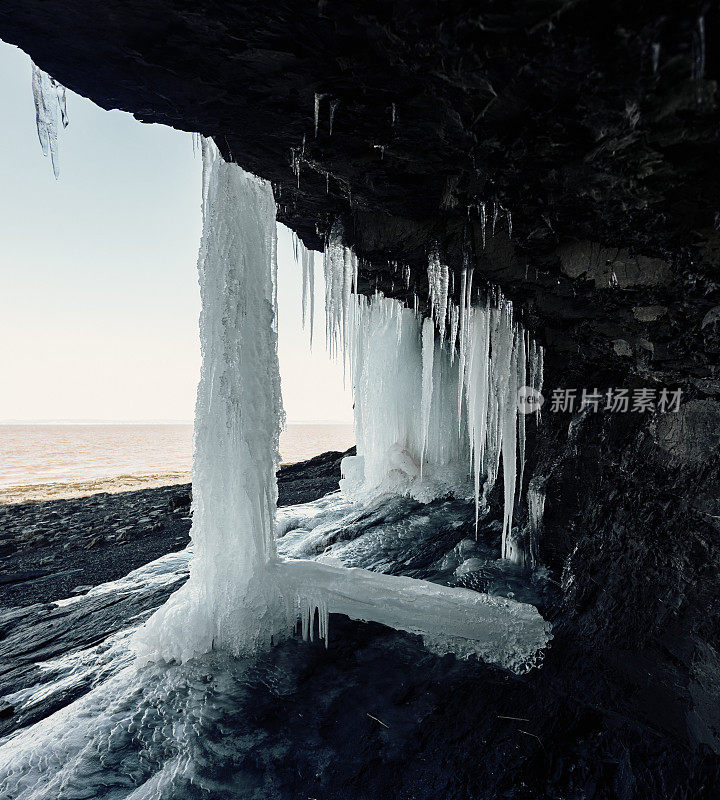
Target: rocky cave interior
(568, 151)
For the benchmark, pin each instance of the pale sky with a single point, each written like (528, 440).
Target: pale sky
(99, 299)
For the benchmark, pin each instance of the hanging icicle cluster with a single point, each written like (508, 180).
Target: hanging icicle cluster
(341, 272)
(432, 407)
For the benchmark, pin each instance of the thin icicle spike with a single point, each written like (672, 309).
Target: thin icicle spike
(521, 382)
(454, 322)
(428, 353)
(333, 108)
(318, 98)
(307, 260)
(439, 283)
(699, 65)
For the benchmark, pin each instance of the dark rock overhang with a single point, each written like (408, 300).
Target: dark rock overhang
(591, 125)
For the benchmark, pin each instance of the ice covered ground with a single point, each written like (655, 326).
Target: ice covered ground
(157, 731)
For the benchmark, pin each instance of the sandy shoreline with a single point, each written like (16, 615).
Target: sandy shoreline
(67, 490)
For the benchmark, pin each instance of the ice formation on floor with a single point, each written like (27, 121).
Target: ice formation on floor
(162, 730)
(425, 420)
(50, 112)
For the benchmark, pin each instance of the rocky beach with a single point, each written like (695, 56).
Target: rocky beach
(51, 549)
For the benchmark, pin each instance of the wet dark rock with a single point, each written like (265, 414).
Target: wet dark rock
(307, 480)
(180, 502)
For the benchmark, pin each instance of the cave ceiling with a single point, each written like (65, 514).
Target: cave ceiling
(567, 150)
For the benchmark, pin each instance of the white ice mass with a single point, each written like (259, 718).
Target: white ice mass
(241, 596)
(229, 602)
(425, 420)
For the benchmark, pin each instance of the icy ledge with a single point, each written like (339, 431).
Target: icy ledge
(450, 620)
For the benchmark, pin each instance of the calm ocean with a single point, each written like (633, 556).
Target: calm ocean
(32, 455)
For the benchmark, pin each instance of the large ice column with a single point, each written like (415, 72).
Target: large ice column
(230, 601)
(409, 440)
(386, 370)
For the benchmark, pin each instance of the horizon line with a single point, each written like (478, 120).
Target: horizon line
(159, 421)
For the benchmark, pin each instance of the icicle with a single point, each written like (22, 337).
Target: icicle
(536, 509)
(477, 383)
(318, 98)
(349, 262)
(341, 277)
(295, 163)
(496, 212)
(655, 57)
(428, 351)
(311, 286)
(393, 114)
(62, 104)
(50, 107)
(483, 222)
(462, 344)
(509, 221)
(454, 321)
(438, 280)
(521, 383)
(465, 417)
(538, 380)
(307, 258)
(509, 450)
(444, 286)
(333, 108)
(699, 65)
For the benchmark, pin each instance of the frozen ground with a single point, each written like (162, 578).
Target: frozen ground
(89, 723)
